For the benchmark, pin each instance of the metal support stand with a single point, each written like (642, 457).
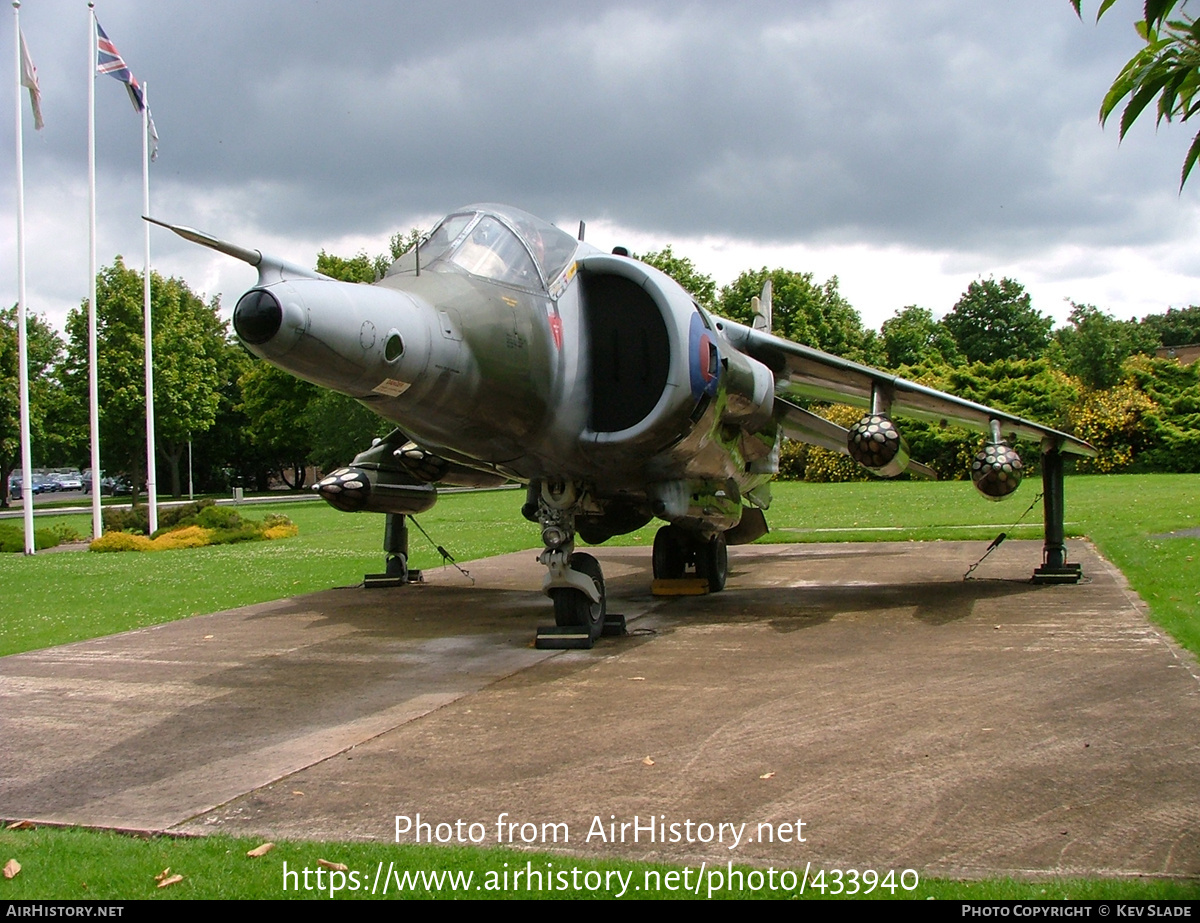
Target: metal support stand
(395, 546)
(1055, 568)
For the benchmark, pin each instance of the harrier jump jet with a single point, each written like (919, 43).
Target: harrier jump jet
(504, 348)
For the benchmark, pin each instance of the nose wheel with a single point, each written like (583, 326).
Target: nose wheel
(573, 579)
(573, 608)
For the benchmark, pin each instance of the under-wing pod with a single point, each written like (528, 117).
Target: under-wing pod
(996, 470)
(876, 444)
(426, 467)
(354, 490)
(374, 483)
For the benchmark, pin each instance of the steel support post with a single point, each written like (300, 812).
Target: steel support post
(395, 547)
(395, 544)
(1055, 568)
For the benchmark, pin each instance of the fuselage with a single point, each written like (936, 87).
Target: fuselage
(504, 344)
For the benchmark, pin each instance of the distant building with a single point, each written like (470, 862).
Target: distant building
(1186, 355)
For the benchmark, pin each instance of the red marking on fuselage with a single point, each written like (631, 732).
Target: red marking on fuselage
(705, 373)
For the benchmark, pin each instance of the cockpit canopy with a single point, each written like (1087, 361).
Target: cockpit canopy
(495, 242)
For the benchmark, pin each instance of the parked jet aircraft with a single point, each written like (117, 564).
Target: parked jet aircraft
(504, 348)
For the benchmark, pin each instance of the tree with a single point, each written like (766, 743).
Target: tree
(188, 346)
(339, 427)
(358, 268)
(276, 404)
(1094, 344)
(187, 340)
(1167, 68)
(699, 285)
(912, 336)
(803, 311)
(398, 244)
(996, 320)
(1023, 387)
(45, 350)
(224, 456)
(363, 268)
(1173, 420)
(1178, 327)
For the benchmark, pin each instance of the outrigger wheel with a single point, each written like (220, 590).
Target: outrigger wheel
(574, 609)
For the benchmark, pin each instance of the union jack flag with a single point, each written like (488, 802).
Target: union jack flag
(109, 61)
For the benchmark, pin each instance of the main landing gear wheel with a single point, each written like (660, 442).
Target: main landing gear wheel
(670, 555)
(712, 562)
(574, 609)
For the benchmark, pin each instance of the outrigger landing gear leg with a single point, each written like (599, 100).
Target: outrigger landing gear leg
(1055, 568)
(395, 546)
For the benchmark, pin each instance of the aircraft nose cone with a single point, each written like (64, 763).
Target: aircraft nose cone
(257, 317)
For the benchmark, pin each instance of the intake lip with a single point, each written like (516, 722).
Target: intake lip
(257, 317)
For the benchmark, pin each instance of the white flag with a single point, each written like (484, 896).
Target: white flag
(29, 79)
(153, 135)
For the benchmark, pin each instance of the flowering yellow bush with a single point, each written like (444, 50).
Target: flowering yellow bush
(121, 541)
(188, 537)
(197, 536)
(1114, 422)
(827, 466)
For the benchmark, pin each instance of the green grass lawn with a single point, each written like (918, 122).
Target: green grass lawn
(55, 598)
(67, 864)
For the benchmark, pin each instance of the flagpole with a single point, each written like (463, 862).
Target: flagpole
(151, 467)
(93, 375)
(22, 344)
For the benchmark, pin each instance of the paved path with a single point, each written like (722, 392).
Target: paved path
(909, 719)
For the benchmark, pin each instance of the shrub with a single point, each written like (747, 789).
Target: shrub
(1116, 423)
(203, 524)
(247, 532)
(174, 517)
(136, 519)
(219, 517)
(827, 466)
(793, 456)
(186, 537)
(12, 538)
(65, 533)
(121, 541)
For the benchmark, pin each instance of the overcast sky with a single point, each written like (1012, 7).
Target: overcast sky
(907, 146)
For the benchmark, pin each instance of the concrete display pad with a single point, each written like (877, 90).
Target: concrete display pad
(909, 719)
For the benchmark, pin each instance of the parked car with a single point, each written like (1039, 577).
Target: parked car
(68, 481)
(87, 483)
(39, 484)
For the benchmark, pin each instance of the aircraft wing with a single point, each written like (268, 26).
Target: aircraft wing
(805, 426)
(804, 373)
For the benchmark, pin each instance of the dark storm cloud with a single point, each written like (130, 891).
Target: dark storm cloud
(932, 125)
